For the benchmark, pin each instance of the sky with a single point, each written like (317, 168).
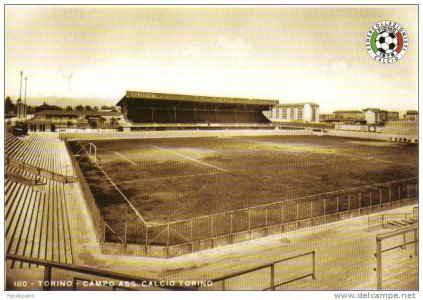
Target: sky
(288, 53)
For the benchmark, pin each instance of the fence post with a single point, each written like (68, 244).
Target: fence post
(272, 277)
(390, 194)
(282, 213)
(267, 216)
(379, 263)
(298, 208)
(408, 191)
(380, 198)
(232, 223)
(311, 212)
(415, 241)
(47, 277)
(324, 208)
(337, 204)
(146, 235)
(191, 229)
(349, 202)
(249, 219)
(399, 192)
(104, 232)
(359, 202)
(211, 226)
(370, 196)
(168, 234)
(126, 230)
(314, 264)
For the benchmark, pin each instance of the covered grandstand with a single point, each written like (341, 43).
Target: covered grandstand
(158, 108)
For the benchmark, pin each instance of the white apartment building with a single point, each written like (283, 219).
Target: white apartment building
(303, 112)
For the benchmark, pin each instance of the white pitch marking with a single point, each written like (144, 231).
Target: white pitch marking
(364, 157)
(172, 177)
(190, 158)
(124, 157)
(122, 194)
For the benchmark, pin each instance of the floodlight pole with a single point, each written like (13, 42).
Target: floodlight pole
(26, 81)
(20, 87)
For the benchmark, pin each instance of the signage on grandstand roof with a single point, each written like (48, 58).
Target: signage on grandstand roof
(192, 98)
(140, 95)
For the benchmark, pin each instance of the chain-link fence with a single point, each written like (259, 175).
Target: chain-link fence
(205, 232)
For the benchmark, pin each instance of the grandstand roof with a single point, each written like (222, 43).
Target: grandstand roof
(192, 98)
(78, 112)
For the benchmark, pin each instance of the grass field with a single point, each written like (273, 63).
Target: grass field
(173, 179)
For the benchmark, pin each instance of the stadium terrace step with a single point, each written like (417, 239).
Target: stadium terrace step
(25, 177)
(37, 223)
(29, 168)
(37, 153)
(13, 144)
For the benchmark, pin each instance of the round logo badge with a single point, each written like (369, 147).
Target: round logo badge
(386, 42)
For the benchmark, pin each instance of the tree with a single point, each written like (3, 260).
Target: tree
(93, 123)
(69, 108)
(113, 122)
(30, 109)
(87, 107)
(95, 108)
(10, 107)
(79, 107)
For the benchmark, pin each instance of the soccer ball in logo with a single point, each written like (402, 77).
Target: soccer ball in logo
(386, 42)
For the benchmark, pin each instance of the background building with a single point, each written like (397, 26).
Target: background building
(393, 116)
(303, 112)
(375, 116)
(349, 117)
(412, 115)
(51, 120)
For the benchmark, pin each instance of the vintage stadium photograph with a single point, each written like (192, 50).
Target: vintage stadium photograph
(211, 148)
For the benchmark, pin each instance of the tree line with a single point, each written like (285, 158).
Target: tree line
(10, 107)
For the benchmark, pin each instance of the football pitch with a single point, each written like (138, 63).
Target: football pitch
(178, 178)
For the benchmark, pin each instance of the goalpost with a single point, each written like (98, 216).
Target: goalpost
(93, 149)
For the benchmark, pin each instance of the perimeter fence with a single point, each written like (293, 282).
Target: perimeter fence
(131, 235)
(205, 232)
